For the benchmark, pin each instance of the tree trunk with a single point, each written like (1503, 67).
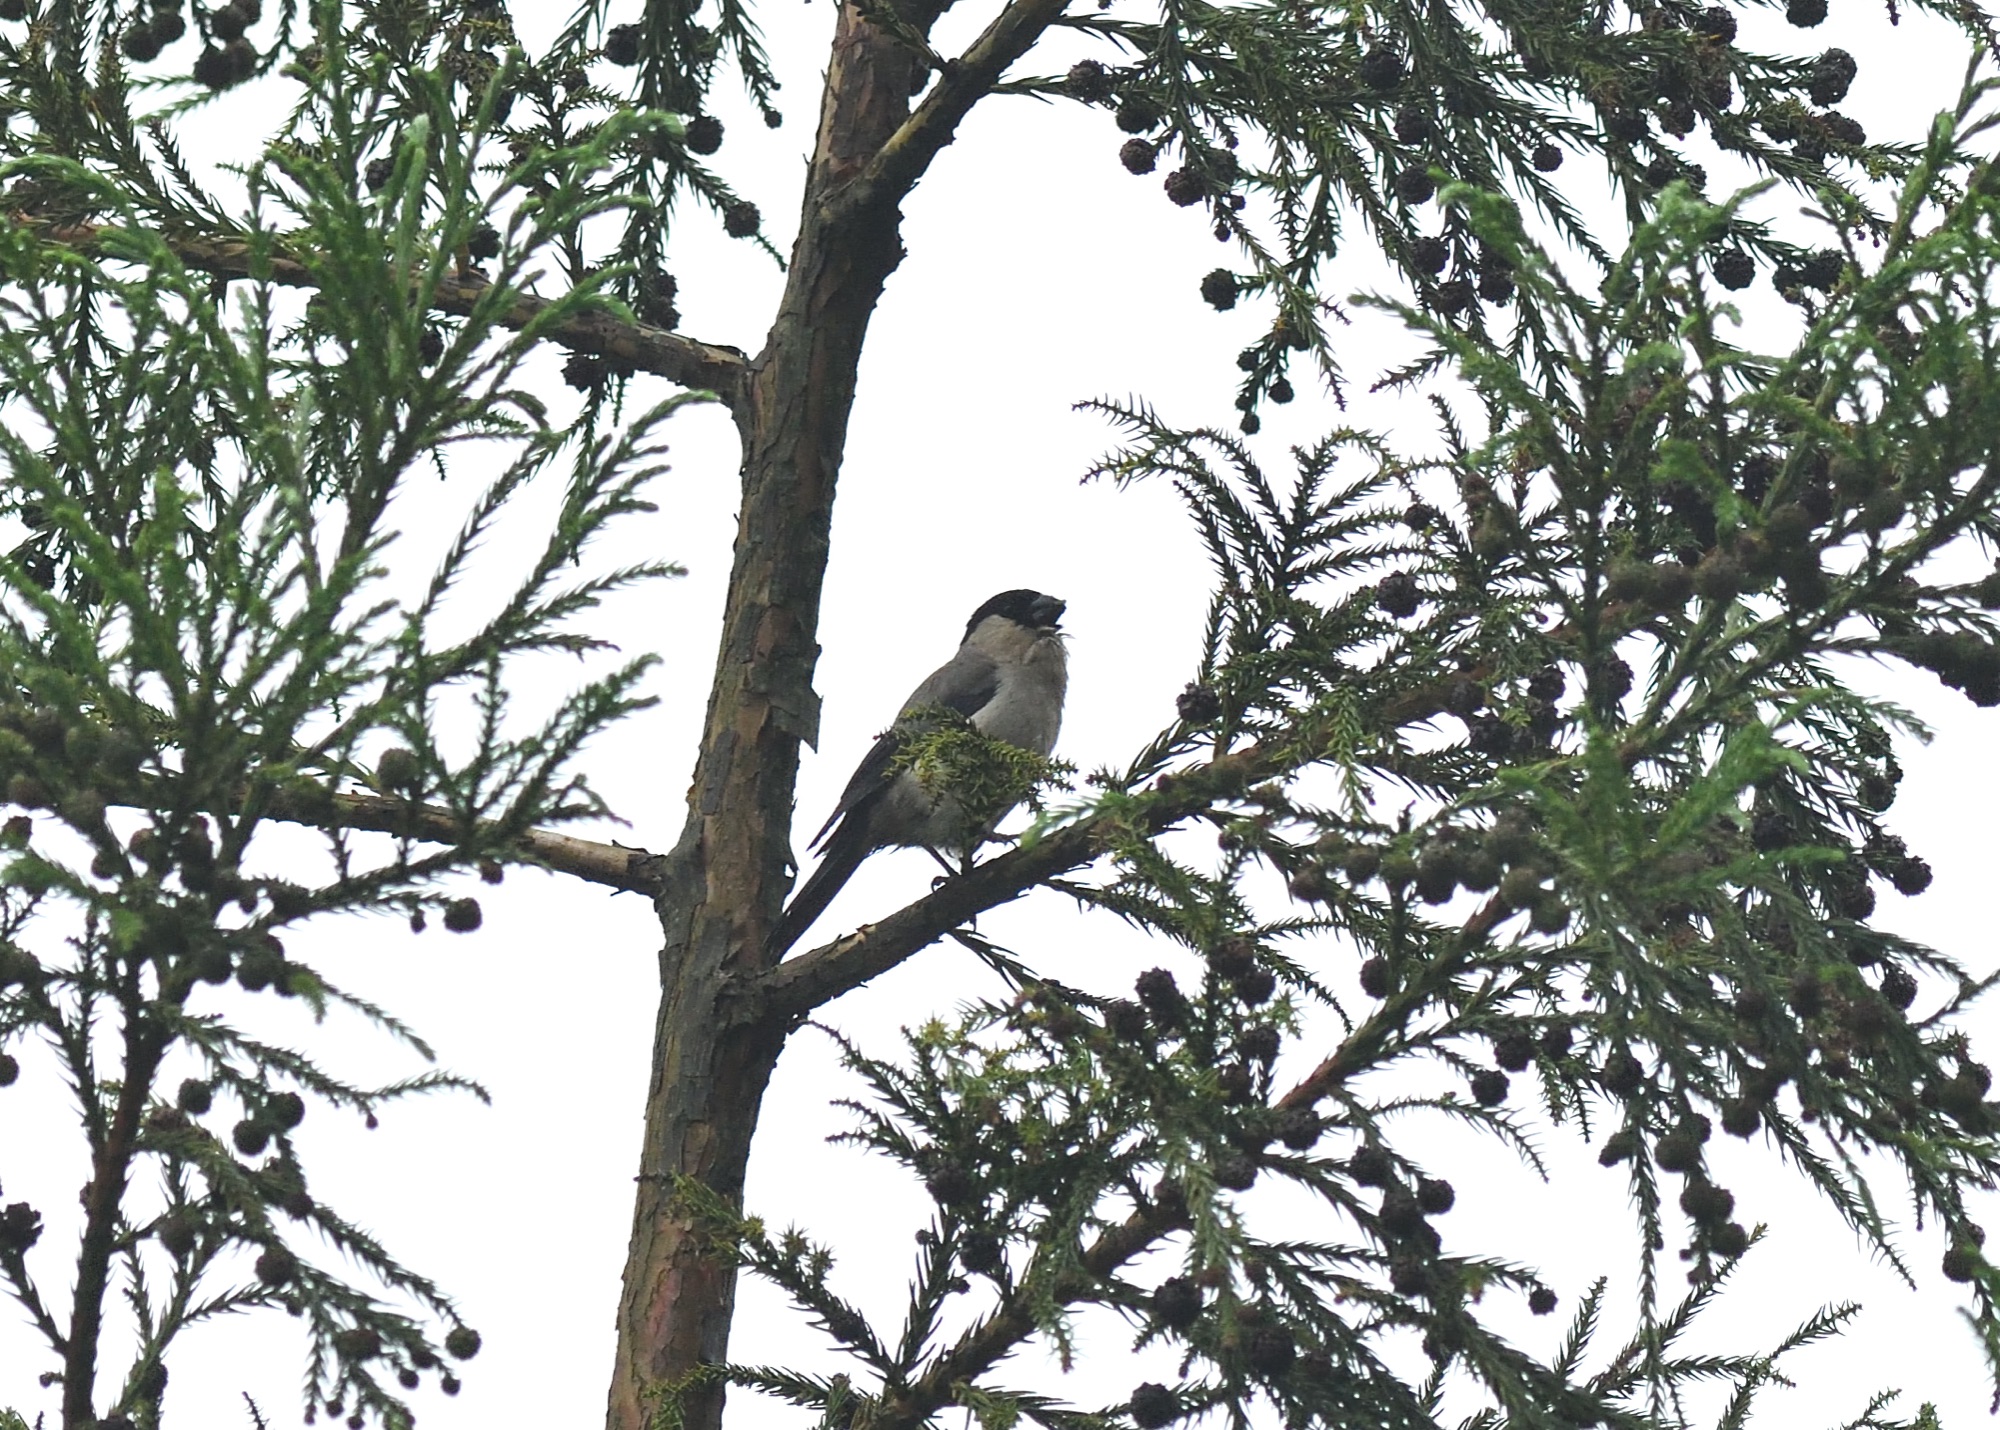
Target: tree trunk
(726, 880)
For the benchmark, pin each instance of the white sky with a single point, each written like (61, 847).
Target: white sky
(1039, 274)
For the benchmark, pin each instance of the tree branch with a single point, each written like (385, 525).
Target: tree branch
(986, 1344)
(612, 865)
(686, 361)
(1360, 1047)
(962, 83)
(15, 1267)
(103, 1197)
(796, 987)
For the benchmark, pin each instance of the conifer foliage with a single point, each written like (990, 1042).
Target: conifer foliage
(200, 642)
(1536, 766)
(1613, 867)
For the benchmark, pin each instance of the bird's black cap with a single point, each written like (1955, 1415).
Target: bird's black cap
(1028, 608)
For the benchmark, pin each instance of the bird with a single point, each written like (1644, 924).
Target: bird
(1008, 679)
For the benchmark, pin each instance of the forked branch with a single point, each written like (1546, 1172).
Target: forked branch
(961, 84)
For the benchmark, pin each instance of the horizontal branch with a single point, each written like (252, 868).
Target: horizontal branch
(612, 865)
(961, 84)
(796, 987)
(682, 360)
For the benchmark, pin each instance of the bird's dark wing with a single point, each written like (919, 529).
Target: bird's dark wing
(962, 684)
(869, 777)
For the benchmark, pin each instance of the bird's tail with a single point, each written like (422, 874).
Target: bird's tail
(838, 861)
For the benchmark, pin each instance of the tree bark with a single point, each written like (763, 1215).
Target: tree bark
(726, 880)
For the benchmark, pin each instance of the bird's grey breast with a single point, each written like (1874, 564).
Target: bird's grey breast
(1026, 708)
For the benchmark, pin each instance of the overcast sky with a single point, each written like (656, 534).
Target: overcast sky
(1039, 273)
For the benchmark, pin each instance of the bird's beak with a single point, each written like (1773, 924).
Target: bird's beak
(1048, 612)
